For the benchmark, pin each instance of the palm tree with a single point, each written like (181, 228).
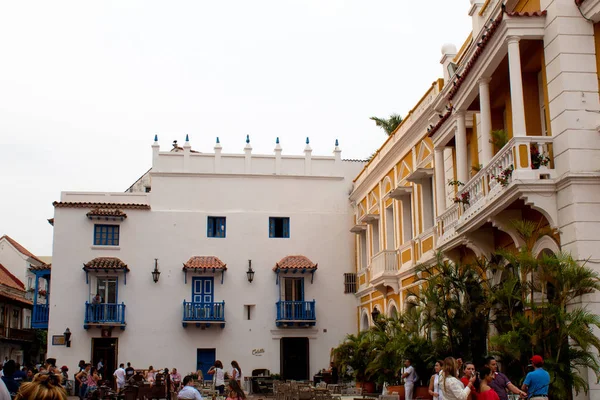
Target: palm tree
(390, 124)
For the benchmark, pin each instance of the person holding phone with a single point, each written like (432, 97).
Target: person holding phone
(469, 372)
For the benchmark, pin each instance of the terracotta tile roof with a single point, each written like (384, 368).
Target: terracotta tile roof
(113, 213)
(13, 296)
(84, 204)
(527, 14)
(204, 262)
(437, 126)
(20, 248)
(294, 263)
(41, 267)
(105, 263)
(8, 279)
(471, 63)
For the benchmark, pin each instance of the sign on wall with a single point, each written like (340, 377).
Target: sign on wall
(58, 340)
(258, 352)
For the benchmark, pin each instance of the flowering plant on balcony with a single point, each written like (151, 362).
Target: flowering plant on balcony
(538, 159)
(503, 177)
(42, 292)
(463, 198)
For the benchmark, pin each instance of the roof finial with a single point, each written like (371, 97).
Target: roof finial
(156, 137)
(247, 138)
(337, 143)
(277, 140)
(218, 141)
(187, 137)
(307, 141)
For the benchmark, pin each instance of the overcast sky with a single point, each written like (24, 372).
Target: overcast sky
(84, 86)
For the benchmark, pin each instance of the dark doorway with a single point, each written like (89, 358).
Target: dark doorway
(205, 358)
(294, 358)
(105, 349)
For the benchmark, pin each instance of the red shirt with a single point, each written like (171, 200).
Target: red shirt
(473, 394)
(488, 395)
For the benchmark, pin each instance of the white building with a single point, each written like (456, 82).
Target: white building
(201, 223)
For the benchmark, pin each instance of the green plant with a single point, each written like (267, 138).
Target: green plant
(499, 138)
(463, 198)
(390, 124)
(538, 159)
(477, 168)
(276, 377)
(503, 177)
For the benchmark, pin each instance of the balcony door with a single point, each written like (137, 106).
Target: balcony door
(107, 289)
(202, 290)
(292, 289)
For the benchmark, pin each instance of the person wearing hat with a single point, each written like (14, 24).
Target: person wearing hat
(537, 381)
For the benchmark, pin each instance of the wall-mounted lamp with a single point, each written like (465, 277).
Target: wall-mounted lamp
(156, 272)
(67, 336)
(250, 272)
(375, 314)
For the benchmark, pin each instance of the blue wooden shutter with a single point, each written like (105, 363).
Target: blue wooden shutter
(286, 227)
(271, 227)
(220, 227)
(210, 227)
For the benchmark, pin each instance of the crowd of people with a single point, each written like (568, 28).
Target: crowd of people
(486, 383)
(48, 382)
(43, 381)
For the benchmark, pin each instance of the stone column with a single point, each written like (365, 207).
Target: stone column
(460, 138)
(486, 121)
(516, 87)
(440, 181)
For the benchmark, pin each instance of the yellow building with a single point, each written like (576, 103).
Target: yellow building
(447, 180)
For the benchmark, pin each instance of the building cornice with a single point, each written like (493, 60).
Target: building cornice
(221, 175)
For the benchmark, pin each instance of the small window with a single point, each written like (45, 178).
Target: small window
(349, 283)
(215, 227)
(27, 322)
(29, 282)
(249, 308)
(279, 227)
(106, 235)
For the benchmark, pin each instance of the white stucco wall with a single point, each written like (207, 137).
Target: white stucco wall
(173, 231)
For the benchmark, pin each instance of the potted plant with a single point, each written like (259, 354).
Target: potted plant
(538, 159)
(353, 356)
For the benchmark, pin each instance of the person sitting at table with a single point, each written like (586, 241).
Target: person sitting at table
(150, 375)
(176, 379)
(189, 392)
(235, 392)
(200, 376)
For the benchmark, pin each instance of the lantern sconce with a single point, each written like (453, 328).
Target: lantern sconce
(67, 336)
(375, 314)
(156, 272)
(250, 272)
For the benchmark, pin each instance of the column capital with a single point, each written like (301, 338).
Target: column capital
(513, 39)
(484, 81)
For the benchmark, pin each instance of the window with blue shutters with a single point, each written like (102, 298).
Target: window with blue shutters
(215, 227)
(279, 227)
(106, 235)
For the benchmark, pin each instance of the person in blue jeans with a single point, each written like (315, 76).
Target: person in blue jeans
(537, 381)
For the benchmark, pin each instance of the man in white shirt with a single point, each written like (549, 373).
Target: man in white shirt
(120, 375)
(409, 376)
(189, 392)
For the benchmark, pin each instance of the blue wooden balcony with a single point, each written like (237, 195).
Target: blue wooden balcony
(203, 314)
(39, 319)
(296, 313)
(104, 315)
